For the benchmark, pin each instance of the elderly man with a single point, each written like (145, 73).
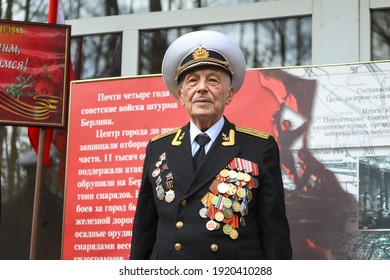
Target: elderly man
(211, 189)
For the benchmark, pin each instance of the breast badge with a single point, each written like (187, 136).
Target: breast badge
(164, 188)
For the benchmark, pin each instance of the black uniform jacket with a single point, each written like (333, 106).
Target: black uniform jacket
(176, 230)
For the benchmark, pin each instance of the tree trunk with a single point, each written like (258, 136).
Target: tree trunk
(8, 14)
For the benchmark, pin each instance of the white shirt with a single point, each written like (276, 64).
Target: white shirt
(212, 132)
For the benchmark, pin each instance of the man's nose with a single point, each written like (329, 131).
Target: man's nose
(202, 85)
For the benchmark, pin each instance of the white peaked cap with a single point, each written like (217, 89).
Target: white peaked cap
(201, 48)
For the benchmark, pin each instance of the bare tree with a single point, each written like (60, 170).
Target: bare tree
(381, 35)
(8, 13)
(27, 9)
(111, 7)
(11, 160)
(299, 41)
(158, 41)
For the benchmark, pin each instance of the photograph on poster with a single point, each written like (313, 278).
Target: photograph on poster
(325, 128)
(374, 192)
(329, 121)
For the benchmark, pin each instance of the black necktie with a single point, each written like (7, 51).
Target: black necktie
(202, 139)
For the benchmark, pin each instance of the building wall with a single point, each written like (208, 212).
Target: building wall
(341, 29)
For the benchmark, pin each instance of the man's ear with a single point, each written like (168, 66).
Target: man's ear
(230, 95)
(180, 96)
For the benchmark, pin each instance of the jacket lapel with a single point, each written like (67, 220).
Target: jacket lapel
(179, 156)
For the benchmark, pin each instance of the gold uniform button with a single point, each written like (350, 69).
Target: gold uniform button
(183, 202)
(214, 247)
(179, 224)
(177, 246)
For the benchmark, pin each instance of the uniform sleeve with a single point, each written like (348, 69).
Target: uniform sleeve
(274, 229)
(146, 217)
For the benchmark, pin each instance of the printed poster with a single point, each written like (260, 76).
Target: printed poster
(34, 61)
(331, 124)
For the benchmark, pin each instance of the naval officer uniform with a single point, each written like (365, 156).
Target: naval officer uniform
(232, 205)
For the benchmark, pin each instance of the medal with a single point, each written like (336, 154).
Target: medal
(160, 192)
(247, 177)
(244, 209)
(228, 213)
(169, 176)
(211, 225)
(169, 181)
(236, 206)
(163, 156)
(164, 167)
(233, 234)
(169, 196)
(224, 173)
(232, 174)
(203, 212)
(241, 192)
(227, 229)
(231, 190)
(214, 200)
(227, 203)
(169, 184)
(223, 188)
(158, 180)
(219, 216)
(156, 172)
(249, 195)
(240, 176)
(242, 221)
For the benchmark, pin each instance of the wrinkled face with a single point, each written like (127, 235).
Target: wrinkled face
(205, 92)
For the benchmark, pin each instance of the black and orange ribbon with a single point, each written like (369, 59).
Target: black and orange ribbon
(41, 110)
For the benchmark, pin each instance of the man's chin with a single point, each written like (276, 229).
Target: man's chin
(202, 113)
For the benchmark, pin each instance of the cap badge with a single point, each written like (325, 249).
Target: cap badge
(200, 53)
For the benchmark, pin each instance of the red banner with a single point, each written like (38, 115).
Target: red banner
(34, 61)
(110, 124)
